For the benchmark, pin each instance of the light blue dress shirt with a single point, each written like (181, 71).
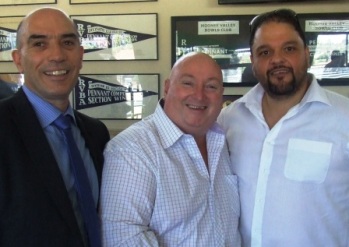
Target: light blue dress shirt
(157, 191)
(293, 178)
(47, 113)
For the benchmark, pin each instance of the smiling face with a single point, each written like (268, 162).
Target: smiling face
(49, 55)
(279, 59)
(193, 94)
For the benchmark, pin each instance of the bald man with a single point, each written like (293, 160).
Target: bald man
(38, 199)
(167, 180)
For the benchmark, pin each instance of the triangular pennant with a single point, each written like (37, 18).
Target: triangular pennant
(90, 92)
(96, 36)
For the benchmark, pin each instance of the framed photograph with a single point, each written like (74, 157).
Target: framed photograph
(327, 36)
(117, 96)
(25, 2)
(107, 1)
(228, 99)
(118, 37)
(8, 33)
(226, 39)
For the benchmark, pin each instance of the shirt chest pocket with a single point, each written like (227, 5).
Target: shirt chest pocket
(307, 160)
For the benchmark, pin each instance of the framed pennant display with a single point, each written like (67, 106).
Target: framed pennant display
(116, 96)
(118, 37)
(8, 33)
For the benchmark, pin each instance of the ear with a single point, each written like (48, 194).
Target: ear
(82, 55)
(16, 57)
(167, 86)
(307, 55)
(252, 65)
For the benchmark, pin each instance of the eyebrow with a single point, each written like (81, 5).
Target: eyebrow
(186, 75)
(264, 46)
(42, 36)
(212, 78)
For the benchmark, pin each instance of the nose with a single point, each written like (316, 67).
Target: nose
(56, 53)
(199, 92)
(277, 57)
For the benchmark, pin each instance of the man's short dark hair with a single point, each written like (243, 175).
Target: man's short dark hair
(280, 15)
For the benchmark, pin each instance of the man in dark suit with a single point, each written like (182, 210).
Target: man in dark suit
(39, 205)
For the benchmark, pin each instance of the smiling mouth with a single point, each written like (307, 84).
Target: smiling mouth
(57, 72)
(195, 107)
(279, 71)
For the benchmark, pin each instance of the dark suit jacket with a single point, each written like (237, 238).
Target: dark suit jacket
(5, 90)
(35, 209)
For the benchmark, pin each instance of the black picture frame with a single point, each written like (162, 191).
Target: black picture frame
(117, 96)
(325, 33)
(118, 37)
(232, 51)
(188, 34)
(230, 98)
(248, 1)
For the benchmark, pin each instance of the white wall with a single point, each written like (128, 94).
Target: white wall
(166, 9)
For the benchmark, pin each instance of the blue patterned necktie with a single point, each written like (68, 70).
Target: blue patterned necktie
(82, 185)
